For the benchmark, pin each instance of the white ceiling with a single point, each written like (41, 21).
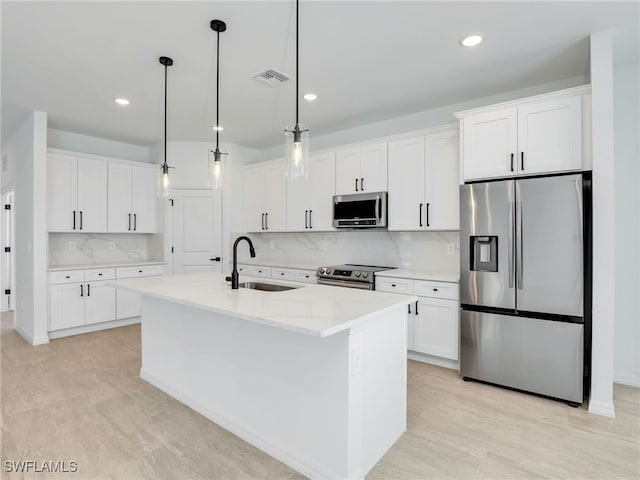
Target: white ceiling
(366, 60)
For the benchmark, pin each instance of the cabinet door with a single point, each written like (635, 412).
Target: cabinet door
(373, 168)
(322, 184)
(406, 209)
(436, 328)
(119, 198)
(62, 193)
(410, 322)
(348, 171)
(92, 195)
(255, 197)
(550, 136)
(144, 202)
(276, 192)
(127, 304)
(298, 203)
(442, 177)
(489, 141)
(100, 303)
(66, 305)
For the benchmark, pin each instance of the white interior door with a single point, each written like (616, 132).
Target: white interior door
(8, 261)
(197, 231)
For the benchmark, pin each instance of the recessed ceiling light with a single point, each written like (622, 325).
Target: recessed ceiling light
(122, 101)
(471, 40)
(310, 97)
(218, 128)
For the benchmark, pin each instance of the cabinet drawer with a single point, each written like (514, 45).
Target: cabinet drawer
(283, 274)
(305, 276)
(444, 290)
(394, 285)
(96, 274)
(140, 271)
(254, 271)
(69, 276)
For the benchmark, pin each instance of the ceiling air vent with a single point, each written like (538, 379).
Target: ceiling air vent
(271, 78)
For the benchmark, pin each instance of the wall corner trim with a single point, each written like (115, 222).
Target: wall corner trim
(41, 340)
(606, 409)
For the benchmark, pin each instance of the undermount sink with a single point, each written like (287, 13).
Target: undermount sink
(265, 287)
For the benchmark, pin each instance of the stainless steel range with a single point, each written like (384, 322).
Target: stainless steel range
(352, 276)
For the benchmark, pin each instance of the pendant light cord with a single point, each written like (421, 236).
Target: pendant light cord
(217, 88)
(297, 76)
(165, 117)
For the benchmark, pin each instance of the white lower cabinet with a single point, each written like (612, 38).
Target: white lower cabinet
(128, 304)
(432, 321)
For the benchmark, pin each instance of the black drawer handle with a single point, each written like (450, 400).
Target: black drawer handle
(139, 271)
(393, 284)
(99, 274)
(67, 276)
(281, 273)
(435, 289)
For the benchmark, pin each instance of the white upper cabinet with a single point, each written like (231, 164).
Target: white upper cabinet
(423, 182)
(527, 137)
(265, 197)
(362, 169)
(310, 201)
(133, 204)
(76, 194)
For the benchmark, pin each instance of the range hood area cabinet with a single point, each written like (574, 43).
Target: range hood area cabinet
(544, 134)
(362, 169)
(266, 197)
(309, 201)
(76, 194)
(133, 204)
(424, 173)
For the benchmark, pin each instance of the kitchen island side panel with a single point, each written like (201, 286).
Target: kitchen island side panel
(292, 395)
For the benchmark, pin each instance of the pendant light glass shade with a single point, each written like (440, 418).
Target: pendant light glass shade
(297, 135)
(215, 168)
(164, 181)
(215, 156)
(297, 148)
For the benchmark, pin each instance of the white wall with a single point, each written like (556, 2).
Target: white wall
(626, 93)
(97, 146)
(26, 150)
(417, 121)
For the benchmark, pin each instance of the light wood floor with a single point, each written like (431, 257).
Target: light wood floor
(80, 398)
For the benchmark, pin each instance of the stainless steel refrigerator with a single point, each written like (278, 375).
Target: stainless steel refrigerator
(523, 264)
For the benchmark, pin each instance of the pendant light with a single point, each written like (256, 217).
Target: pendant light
(215, 156)
(167, 62)
(297, 136)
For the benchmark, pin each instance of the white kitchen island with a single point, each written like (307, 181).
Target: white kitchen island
(315, 376)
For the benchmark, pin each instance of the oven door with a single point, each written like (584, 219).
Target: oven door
(360, 210)
(345, 283)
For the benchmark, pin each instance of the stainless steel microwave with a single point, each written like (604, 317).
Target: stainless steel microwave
(360, 210)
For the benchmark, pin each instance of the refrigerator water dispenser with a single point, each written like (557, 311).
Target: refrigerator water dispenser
(484, 253)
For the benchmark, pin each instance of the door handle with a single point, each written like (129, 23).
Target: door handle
(378, 208)
(428, 213)
(74, 219)
(362, 184)
(420, 215)
(215, 259)
(510, 245)
(356, 184)
(512, 162)
(519, 259)
(522, 161)
(129, 222)
(310, 223)
(80, 219)
(135, 221)
(305, 219)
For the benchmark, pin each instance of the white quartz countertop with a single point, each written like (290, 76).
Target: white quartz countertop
(317, 310)
(103, 265)
(297, 265)
(420, 275)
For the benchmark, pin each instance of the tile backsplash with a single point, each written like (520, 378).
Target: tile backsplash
(80, 249)
(413, 250)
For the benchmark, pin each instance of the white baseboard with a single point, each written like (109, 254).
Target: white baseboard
(93, 328)
(437, 361)
(41, 340)
(304, 466)
(606, 409)
(626, 379)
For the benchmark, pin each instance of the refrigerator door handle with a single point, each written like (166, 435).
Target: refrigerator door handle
(519, 233)
(511, 245)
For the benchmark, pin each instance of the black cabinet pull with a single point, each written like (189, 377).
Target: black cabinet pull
(129, 222)
(310, 223)
(420, 215)
(135, 221)
(262, 224)
(266, 221)
(80, 219)
(428, 213)
(99, 274)
(81, 290)
(435, 289)
(522, 161)
(416, 308)
(139, 271)
(281, 273)
(356, 184)
(512, 162)
(74, 219)
(305, 219)
(67, 276)
(88, 290)
(215, 259)
(393, 284)
(362, 184)
(409, 308)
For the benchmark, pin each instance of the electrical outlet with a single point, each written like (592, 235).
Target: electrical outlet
(451, 249)
(112, 245)
(272, 244)
(72, 246)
